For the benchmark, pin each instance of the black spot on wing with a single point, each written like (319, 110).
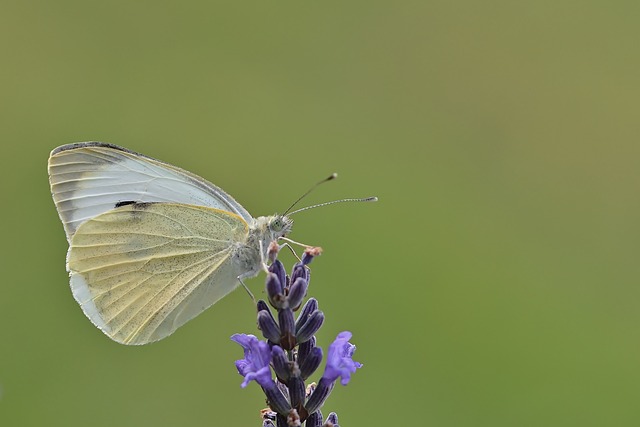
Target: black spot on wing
(136, 205)
(125, 203)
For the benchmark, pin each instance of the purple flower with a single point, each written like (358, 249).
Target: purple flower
(339, 361)
(339, 364)
(255, 365)
(290, 349)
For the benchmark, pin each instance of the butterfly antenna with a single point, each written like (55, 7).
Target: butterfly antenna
(329, 178)
(364, 199)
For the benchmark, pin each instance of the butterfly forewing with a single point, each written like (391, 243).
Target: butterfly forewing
(141, 270)
(90, 178)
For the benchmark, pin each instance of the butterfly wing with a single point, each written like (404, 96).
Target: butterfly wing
(91, 178)
(140, 271)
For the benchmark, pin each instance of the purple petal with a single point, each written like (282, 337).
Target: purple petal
(255, 365)
(339, 361)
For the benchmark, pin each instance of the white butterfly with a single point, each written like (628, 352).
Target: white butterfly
(151, 246)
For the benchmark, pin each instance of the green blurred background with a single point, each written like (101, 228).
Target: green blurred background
(494, 284)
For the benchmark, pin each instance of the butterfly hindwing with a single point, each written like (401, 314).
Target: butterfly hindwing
(141, 270)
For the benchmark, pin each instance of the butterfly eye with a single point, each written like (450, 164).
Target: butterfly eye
(276, 225)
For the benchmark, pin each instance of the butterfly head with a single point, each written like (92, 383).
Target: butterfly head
(279, 226)
(270, 228)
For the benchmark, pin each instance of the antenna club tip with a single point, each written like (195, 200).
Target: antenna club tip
(332, 176)
(372, 199)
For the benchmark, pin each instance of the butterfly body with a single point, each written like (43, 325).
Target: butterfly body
(150, 245)
(262, 231)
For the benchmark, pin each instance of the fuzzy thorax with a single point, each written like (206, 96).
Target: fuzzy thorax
(251, 254)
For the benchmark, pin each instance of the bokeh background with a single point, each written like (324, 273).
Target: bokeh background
(496, 283)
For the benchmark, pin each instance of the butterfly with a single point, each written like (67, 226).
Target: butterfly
(151, 245)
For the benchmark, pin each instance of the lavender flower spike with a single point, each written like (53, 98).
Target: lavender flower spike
(255, 365)
(339, 361)
(290, 350)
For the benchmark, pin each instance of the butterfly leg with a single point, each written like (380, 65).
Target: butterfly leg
(263, 262)
(247, 289)
(288, 246)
